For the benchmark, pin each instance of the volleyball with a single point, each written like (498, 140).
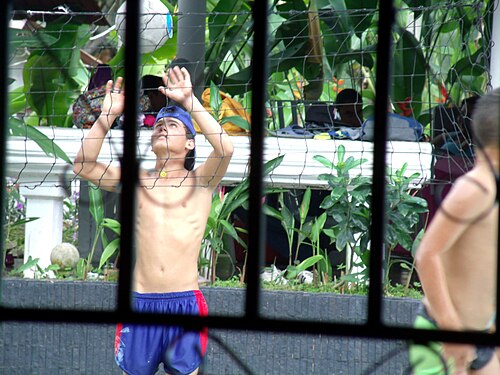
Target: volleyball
(65, 255)
(155, 25)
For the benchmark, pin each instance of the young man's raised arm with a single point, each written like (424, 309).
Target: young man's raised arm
(85, 164)
(179, 88)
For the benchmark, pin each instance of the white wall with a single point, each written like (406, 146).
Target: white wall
(495, 50)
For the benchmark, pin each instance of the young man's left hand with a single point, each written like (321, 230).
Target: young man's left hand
(178, 86)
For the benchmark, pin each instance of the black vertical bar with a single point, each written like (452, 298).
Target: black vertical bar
(5, 9)
(281, 115)
(386, 20)
(129, 165)
(256, 219)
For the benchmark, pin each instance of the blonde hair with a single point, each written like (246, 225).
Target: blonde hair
(486, 119)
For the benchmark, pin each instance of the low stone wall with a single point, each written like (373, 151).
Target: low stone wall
(42, 348)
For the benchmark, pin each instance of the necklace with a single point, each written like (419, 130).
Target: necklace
(163, 174)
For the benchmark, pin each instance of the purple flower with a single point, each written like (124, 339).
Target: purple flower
(19, 206)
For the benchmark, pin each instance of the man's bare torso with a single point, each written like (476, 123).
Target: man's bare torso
(470, 266)
(472, 276)
(171, 221)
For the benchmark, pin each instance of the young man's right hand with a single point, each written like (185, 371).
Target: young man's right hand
(462, 355)
(114, 101)
(178, 87)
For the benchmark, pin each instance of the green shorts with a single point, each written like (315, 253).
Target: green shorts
(429, 360)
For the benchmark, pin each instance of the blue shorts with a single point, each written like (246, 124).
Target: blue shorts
(139, 349)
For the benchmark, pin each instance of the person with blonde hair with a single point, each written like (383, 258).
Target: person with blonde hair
(457, 258)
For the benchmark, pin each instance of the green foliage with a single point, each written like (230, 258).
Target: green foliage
(216, 106)
(110, 248)
(446, 49)
(39, 272)
(14, 221)
(20, 129)
(113, 246)
(349, 205)
(219, 222)
(54, 71)
(435, 46)
(229, 34)
(390, 291)
(70, 219)
(308, 233)
(151, 63)
(403, 209)
(51, 74)
(30, 263)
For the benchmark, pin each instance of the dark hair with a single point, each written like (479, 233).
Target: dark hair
(349, 96)
(181, 62)
(190, 160)
(468, 105)
(151, 82)
(191, 155)
(486, 119)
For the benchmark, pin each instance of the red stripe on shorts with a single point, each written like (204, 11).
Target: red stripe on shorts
(118, 336)
(203, 309)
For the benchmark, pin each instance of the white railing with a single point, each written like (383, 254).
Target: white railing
(41, 177)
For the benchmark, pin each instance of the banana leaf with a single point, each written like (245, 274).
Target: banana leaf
(20, 129)
(409, 63)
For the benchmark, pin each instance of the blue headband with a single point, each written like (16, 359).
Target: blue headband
(178, 113)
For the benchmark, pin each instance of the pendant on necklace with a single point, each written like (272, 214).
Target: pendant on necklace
(163, 174)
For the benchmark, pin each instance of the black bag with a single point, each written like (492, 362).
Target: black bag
(320, 113)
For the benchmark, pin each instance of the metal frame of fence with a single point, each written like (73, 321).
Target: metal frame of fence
(252, 320)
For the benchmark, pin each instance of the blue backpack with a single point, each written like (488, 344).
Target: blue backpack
(401, 128)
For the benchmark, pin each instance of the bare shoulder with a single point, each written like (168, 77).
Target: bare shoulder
(472, 194)
(478, 182)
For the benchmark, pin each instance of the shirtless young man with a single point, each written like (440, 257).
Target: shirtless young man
(457, 258)
(173, 205)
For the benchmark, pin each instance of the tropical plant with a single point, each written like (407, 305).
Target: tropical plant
(70, 218)
(110, 248)
(13, 222)
(32, 264)
(439, 50)
(307, 233)
(219, 221)
(316, 47)
(216, 105)
(229, 37)
(404, 212)
(349, 205)
(52, 73)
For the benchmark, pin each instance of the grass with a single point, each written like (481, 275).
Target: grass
(397, 290)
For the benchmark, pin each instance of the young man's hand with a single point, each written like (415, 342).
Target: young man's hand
(114, 101)
(462, 355)
(178, 86)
